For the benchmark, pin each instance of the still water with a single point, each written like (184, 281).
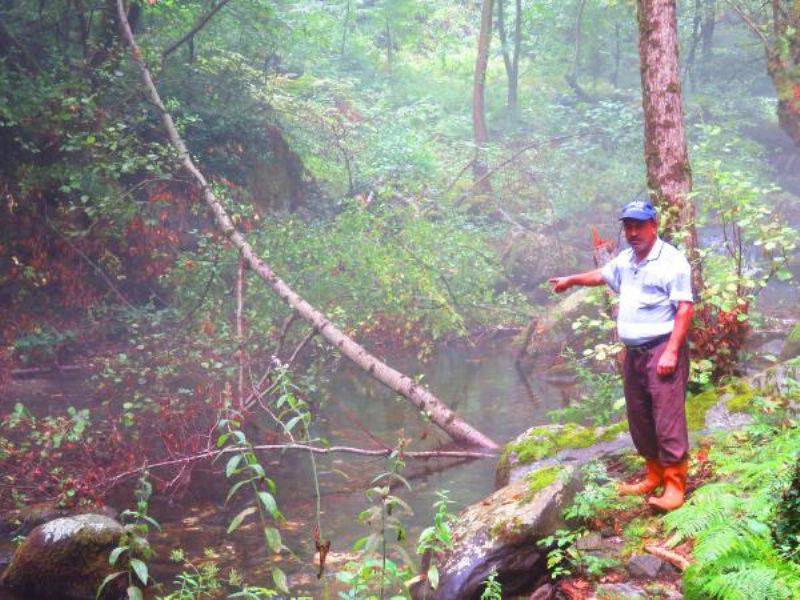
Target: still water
(482, 385)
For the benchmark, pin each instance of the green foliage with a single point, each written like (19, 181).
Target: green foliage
(565, 558)
(382, 266)
(735, 553)
(786, 528)
(195, 581)
(492, 590)
(384, 563)
(598, 499)
(600, 400)
(439, 536)
(133, 550)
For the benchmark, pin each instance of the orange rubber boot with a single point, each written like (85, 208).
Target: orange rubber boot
(674, 487)
(653, 479)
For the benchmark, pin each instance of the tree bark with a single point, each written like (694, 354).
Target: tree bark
(511, 56)
(419, 396)
(782, 48)
(240, 271)
(669, 176)
(707, 28)
(783, 65)
(572, 76)
(478, 108)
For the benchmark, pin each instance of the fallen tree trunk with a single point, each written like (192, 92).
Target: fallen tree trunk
(421, 397)
(540, 331)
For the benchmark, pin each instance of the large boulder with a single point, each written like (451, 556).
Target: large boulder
(500, 533)
(66, 558)
(546, 445)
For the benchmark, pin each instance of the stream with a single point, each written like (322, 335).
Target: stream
(481, 384)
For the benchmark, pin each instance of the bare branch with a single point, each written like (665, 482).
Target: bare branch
(194, 30)
(385, 452)
(751, 25)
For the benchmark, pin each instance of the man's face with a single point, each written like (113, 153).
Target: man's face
(641, 235)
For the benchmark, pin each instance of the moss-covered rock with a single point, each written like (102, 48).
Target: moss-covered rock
(501, 533)
(734, 397)
(546, 442)
(65, 558)
(540, 479)
(697, 406)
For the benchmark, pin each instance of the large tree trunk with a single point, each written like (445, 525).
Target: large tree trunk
(783, 65)
(421, 397)
(478, 109)
(778, 28)
(669, 175)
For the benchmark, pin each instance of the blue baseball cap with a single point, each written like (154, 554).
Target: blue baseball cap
(640, 210)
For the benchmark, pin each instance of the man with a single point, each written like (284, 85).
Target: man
(653, 280)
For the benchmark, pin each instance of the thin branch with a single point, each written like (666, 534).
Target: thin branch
(552, 142)
(92, 264)
(212, 454)
(300, 347)
(749, 22)
(194, 30)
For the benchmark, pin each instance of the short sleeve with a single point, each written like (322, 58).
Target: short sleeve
(680, 284)
(611, 275)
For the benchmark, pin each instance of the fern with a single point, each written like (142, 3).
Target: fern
(736, 557)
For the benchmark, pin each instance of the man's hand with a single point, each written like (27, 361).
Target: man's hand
(667, 363)
(561, 284)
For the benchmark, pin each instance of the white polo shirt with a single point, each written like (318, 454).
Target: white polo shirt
(649, 291)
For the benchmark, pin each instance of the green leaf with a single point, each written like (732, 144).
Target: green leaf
(134, 593)
(279, 577)
(107, 580)
(237, 520)
(115, 554)
(140, 569)
(273, 538)
(433, 576)
(269, 503)
(233, 463)
(236, 487)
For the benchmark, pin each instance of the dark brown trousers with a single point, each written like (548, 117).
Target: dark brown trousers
(657, 405)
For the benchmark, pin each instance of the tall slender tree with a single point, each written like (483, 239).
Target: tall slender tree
(480, 130)
(669, 176)
(511, 51)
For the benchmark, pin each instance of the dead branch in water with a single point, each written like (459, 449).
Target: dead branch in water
(385, 452)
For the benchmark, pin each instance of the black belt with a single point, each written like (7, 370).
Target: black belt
(651, 344)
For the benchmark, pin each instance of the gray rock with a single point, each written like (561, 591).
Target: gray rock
(544, 592)
(719, 418)
(66, 558)
(619, 591)
(556, 444)
(501, 533)
(645, 565)
(590, 541)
